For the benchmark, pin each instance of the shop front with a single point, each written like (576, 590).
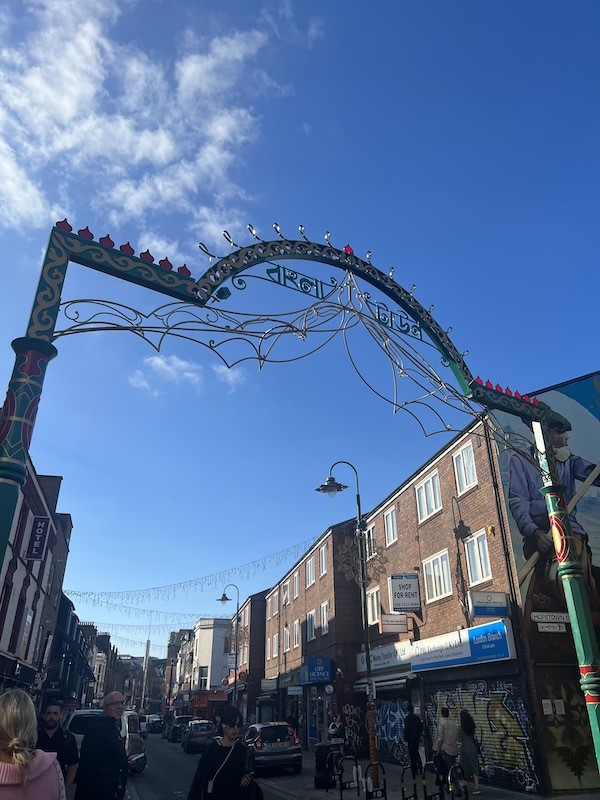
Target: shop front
(474, 668)
(316, 678)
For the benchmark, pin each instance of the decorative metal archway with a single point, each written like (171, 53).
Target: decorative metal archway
(388, 326)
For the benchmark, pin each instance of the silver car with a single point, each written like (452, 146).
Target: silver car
(273, 744)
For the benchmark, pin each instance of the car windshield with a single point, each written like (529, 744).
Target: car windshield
(133, 725)
(275, 733)
(202, 727)
(80, 723)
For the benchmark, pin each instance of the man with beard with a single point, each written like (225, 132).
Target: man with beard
(528, 507)
(53, 739)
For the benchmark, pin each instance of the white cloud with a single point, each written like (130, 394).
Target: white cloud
(216, 71)
(233, 377)
(103, 122)
(175, 370)
(138, 381)
(21, 201)
(316, 30)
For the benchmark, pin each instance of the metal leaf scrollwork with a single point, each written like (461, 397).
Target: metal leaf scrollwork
(348, 560)
(331, 309)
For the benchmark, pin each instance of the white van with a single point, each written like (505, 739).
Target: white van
(78, 723)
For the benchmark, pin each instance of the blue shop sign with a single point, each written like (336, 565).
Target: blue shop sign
(318, 670)
(492, 642)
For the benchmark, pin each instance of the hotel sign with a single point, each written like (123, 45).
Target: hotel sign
(37, 541)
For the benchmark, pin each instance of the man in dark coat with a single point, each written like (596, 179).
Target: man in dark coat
(102, 773)
(53, 739)
(413, 730)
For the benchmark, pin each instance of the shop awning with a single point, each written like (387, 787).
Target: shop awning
(384, 685)
(241, 687)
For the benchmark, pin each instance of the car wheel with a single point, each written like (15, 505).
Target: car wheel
(138, 768)
(297, 768)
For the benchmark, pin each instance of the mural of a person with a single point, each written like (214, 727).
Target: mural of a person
(528, 508)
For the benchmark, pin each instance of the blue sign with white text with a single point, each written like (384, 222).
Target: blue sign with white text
(318, 670)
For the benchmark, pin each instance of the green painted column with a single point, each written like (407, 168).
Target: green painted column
(17, 418)
(571, 574)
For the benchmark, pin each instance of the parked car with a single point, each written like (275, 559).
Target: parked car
(197, 735)
(78, 723)
(273, 744)
(175, 727)
(155, 723)
(144, 725)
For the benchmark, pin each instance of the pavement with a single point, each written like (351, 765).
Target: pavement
(394, 773)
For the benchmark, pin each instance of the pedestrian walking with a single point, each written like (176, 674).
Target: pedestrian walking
(222, 772)
(102, 772)
(446, 744)
(469, 749)
(25, 773)
(52, 738)
(337, 733)
(413, 730)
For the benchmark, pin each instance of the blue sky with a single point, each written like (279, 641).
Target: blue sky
(456, 141)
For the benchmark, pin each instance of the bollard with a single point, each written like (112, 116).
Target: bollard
(349, 784)
(406, 796)
(371, 792)
(457, 774)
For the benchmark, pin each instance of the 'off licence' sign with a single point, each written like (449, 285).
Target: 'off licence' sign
(405, 593)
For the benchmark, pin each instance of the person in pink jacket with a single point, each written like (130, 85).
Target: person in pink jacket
(25, 773)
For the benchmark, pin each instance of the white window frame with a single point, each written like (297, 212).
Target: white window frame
(324, 617)
(275, 645)
(323, 560)
(311, 625)
(390, 523)
(370, 543)
(479, 542)
(373, 605)
(428, 493)
(296, 633)
(441, 575)
(268, 648)
(464, 481)
(286, 638)
(285, 594)
(310, 571)
(275, 604)
(268, 608)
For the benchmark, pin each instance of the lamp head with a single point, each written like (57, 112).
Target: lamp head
(331, 487)
(224, 599)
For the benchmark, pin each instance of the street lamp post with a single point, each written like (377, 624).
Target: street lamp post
(224, 599)
(331, 487)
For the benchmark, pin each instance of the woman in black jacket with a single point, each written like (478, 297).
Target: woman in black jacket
(221, 772)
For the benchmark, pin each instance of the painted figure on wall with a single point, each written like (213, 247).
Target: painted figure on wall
(528, 508)
(576, 446)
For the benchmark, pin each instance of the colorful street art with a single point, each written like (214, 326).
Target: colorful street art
(503, 729)
(563, 725)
